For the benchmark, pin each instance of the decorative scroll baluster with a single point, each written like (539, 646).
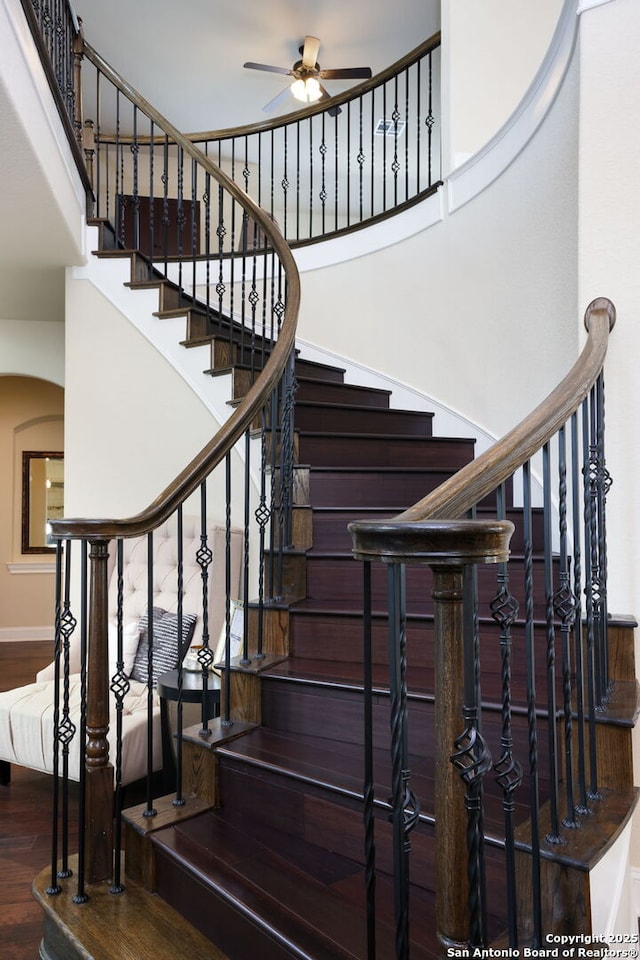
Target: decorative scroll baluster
(565, 609)
(508, 770)
(322, 149)
(472, 759)
(204, 558)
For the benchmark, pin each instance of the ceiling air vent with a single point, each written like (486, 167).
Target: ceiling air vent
(390, 128)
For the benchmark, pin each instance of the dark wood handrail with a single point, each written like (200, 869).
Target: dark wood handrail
(233, 429)
(403, 536)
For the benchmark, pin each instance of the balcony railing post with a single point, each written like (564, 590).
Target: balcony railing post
(99, 825)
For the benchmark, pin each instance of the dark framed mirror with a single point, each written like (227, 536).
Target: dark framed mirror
(42, 498)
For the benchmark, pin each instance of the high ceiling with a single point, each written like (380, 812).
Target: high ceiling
(186, 58)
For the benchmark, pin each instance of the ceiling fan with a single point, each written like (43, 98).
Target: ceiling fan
(307, 75)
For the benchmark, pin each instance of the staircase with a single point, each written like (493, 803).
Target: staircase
(276, 870)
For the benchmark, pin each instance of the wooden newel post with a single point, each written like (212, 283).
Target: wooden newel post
(452, 915)
(460, 545)
(99, 772)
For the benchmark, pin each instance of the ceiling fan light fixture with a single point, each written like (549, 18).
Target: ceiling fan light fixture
(307, 90)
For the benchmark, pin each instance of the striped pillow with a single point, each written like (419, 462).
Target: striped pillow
(166, 650)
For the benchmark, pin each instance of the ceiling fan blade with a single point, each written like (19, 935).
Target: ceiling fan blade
(267, 67)
(310, 52)
(348, 73)
(277, 100)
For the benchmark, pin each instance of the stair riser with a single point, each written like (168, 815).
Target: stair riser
(324, 392)
(214, 916)
(335, 639)
(337, 420)
(339, 579)
(370, 488)
(307, 368)
(334, 714)
(382, 452)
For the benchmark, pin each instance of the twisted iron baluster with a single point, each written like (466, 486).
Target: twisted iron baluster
(405, 807)
(504, 610)
(565, 609)
(430, 120)
(531, 708)
(553, 836)
(119, 687)
(472, 759)
(603, 484)
(582, 807)
(591, 589)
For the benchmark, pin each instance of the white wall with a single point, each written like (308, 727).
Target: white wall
(492, 49)
(131, 422)
(491, 288)
(32, 348)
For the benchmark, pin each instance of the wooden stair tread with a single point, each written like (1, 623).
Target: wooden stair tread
(316, 921)
(136, 924)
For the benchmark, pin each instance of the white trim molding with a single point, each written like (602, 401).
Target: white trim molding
(32, 566)
(589, 4)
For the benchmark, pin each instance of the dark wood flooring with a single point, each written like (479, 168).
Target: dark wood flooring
(25, 841)
(25, 823)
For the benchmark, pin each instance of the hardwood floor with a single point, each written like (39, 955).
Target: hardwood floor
(25, 824)
(25, 839)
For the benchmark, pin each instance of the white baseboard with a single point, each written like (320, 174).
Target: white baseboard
(25, 634)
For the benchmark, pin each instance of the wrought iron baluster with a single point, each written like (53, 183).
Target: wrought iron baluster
(604, 483)
(263, 516)
(178, 800)
(244, 660)
(119, 687)
(508, 770)
(204, 558)
(564, 607)
(61, 555)
(405, 809)
(429, 122)
(150, 810)
(582, 807)
(66, 729)
(323, 174)
(591, 590)
(369, 787)
(531, 709)
(554, 834)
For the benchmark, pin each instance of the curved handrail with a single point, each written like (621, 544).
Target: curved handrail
(400, 536)
(201, 465)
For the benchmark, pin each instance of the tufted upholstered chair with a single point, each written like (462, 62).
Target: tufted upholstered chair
(26, 713)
